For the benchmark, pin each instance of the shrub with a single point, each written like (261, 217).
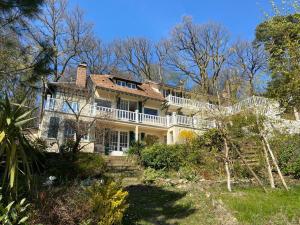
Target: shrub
(150, 175)
(60, 206)
(16, 151)
(188, 173)
(67, 146)
(85, 165)
(40, 144)
(14, 212)
(161, 156)
(108, 202)
(187, 135)
(287, 148)
(151, 140)
(136, 149)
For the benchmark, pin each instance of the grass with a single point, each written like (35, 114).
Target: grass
(156, 205)
(252, 206)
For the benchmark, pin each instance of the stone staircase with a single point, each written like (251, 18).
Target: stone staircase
(124, 168)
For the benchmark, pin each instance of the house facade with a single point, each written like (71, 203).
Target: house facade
(111, 113)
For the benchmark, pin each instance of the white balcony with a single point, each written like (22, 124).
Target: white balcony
(106, 113)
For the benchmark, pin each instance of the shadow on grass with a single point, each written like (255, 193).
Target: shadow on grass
(155, 205)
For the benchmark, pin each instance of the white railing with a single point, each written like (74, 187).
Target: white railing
(111, 113)
(263, 105)
(151, 119)
(189, 103)
(53, 104)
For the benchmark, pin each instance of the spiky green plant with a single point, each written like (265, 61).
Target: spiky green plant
(16, 152)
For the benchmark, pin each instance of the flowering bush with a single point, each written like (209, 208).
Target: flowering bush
(108, 202)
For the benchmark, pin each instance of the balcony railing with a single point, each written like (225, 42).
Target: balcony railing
(106, 113)
(261, 104)
(189, 103)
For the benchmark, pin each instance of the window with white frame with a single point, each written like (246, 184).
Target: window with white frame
(113, 141)
(166, 93)
(131, 85)
(85, 131)
(69, 130)
(103, 103)
(124, 105)
(123, 140)
(121, 83)
(150, 111)
(126, 84)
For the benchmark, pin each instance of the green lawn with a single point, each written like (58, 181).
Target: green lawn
(155, 205)
(253, 206)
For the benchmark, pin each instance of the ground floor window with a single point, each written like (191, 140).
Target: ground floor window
(124, 140)
(53, 127)
(113, 141)
(69, 129)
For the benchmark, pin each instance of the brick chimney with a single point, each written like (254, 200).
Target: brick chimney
(81, 75)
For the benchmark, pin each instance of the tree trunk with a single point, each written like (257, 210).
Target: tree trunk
(227, 164)
(275, 162)
(296, 113)
(271, 178)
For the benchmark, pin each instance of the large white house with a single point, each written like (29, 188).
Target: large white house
(114, 112)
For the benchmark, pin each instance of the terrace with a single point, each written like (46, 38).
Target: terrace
(113, 114)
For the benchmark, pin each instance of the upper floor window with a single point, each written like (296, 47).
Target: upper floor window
(131, 85)
(126, 84)
(103, 103)
(150, 111)
(70, 107)
(121, 83)
(166, 93)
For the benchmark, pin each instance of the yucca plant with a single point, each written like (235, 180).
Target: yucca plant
(16, 152)
(14, 212)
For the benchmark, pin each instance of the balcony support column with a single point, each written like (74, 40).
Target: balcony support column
(136, 115)
(136, 134)
(168, 120)
(174, 118)
(94, 109)
(194, 121)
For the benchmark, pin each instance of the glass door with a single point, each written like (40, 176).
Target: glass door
(124, 141)
(113, 141)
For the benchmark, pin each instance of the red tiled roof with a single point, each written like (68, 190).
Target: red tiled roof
(143, 89)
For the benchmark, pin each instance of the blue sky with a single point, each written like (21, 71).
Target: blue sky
(154, 19)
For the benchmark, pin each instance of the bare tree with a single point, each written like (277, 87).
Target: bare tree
(76, 102)
(200, 51)
(99, 57)
(138, 56)
(66, 31)
(250, 59)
